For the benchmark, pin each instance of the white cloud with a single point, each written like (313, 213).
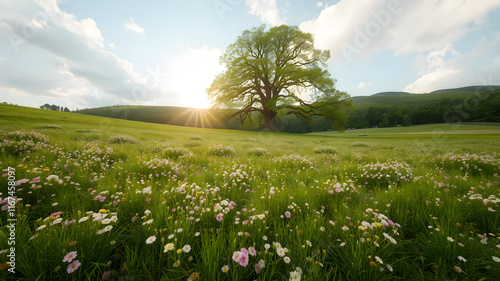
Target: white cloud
(319, 4)
(363, 85)
(447, 68)
(56, 56)
(357, 29)
(266, 10)
(112, 45)
(134, 27)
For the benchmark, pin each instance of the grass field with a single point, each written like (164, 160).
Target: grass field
(430, 129)
(109, 199)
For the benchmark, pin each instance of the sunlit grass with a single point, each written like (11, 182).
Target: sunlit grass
(340, 208)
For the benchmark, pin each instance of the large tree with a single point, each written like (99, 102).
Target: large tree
(277, 71)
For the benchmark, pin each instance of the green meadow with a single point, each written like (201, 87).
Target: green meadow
(108, 199)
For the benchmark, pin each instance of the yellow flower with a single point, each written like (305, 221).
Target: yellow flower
(179, 251)
(195, 276)
(57, 268)
(71, 244)
(103, 211)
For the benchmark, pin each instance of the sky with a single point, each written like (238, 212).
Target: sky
(92, 53)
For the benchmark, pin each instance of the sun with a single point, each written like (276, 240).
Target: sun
(199, 102)
(191, 74)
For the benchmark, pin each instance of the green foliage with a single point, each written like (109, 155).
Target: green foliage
(268, 70)
(121, 139)
(221, 151)
(437, 107)
(325, 150)
(176, 152)
(258, 151)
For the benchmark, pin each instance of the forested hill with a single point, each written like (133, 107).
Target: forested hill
(382, 110)
(475, 89)
(435, 107)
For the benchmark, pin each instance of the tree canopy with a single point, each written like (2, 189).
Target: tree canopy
(277, 72)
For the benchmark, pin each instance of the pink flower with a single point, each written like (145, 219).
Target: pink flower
(252, 251)
(245, 222)
(236, 256)
(219, 217)
(288, 214)
(243, 261)
(21, 181)
(106, 275)
(330, 191)
(55, 214)
(257, 268)
(244, 250)
(70, 256)
(72, 267)
(244, 210)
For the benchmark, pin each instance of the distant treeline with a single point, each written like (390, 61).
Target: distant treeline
(377, 110)
(54, 107)
(437, 107)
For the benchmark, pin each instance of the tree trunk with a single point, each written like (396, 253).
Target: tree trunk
(269, 120)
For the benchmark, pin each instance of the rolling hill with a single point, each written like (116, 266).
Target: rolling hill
(470, 104)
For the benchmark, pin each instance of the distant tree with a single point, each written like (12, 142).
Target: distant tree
(45, 106)
(406, 120)
(271, 71)
(66, 109)
(385, 121)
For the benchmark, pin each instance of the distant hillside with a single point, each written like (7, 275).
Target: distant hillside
(391, 94)
(181, 116)
(402, 99)
(475, 89)
(416, 109)
(385, 109)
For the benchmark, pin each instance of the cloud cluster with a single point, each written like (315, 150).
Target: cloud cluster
(266, 10)
(50, 53)
(447, 68)
(355, 30)
(134, 27)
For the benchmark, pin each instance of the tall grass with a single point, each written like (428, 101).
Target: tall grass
(172, 206)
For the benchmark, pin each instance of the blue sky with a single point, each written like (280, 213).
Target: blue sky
(89, 53)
